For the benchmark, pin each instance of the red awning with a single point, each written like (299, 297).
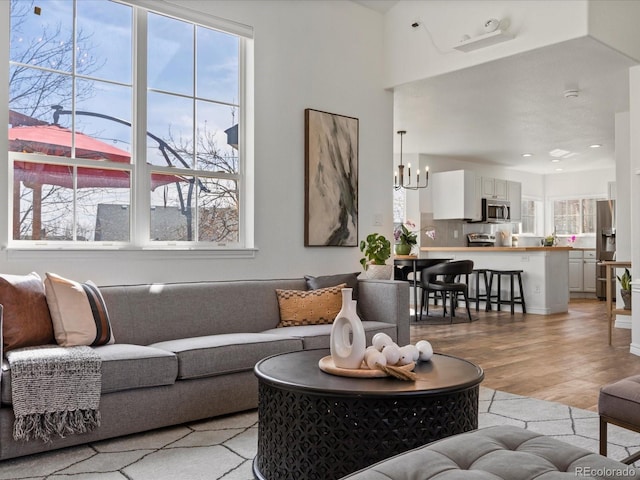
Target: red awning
(55, 140)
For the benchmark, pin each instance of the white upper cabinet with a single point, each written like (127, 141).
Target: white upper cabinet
(514, 195)
(454, 195)
(495, 188)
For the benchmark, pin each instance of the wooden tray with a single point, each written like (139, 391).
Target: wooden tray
(326, 365)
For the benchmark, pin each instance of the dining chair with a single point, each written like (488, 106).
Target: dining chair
(443, 278)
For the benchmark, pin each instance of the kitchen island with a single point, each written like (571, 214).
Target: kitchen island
(546, 271)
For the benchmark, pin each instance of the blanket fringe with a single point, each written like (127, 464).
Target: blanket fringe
(44, 425)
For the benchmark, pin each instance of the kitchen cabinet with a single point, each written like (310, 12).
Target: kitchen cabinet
(589, 277)
(454, 195)
(582, 271)
(576, 271)
(495, 188)
(514, 195)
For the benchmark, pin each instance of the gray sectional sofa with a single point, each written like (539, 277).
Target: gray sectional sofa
(186, 351)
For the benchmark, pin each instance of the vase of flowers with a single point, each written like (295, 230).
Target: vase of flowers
(405, 238)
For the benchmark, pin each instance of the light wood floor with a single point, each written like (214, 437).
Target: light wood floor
(563, 357)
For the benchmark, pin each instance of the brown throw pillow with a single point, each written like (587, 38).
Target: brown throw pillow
(78, 312)
(309, 307)
(26, 319)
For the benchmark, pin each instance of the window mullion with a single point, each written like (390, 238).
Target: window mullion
(141, 178)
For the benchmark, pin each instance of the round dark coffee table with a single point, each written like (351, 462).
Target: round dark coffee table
(314, 425)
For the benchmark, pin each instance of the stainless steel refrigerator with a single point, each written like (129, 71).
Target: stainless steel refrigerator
(605, 242)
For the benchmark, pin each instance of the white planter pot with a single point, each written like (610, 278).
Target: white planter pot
(378, 272)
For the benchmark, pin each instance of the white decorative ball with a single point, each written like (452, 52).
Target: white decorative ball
(408, 354)
(425, 350)
(373, 357)
(381, 340)
(392, 353)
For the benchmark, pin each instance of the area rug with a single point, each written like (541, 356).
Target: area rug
(223, 448)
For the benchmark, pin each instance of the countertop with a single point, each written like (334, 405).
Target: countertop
(495, 249)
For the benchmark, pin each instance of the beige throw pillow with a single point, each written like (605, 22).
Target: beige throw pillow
(309, 307)
(78, 312)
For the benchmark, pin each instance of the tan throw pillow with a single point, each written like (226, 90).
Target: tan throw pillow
(26, 319)
(309, 307)
(78, 312)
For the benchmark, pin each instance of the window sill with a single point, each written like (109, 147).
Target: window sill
(113, 252)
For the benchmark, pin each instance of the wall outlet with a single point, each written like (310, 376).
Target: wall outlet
(537, 289)
(377, 220)
(455, 234)
(524, 258)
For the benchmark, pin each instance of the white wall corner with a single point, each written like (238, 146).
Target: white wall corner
(615, 23)
(634, 126)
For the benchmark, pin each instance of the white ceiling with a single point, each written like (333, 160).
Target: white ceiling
(382, 6)
(494, 112)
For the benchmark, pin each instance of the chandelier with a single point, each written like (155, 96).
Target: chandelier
(398, 177)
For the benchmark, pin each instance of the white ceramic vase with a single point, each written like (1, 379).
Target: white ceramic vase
(378, 272)
(348, 341)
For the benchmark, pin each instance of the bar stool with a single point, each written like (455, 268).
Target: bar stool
(480, 273)
(513, 299)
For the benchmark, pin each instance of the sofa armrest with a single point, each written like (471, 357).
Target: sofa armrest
(386, 301)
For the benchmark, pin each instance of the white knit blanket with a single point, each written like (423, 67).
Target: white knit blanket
(55, 391)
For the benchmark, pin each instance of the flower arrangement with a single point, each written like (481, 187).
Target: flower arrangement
(402, 234)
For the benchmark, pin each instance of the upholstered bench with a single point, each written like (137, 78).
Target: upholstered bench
(503, 452)
(619, 404)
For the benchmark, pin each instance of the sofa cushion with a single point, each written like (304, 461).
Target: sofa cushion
(78, 312)
(26, 319)
(213, 355)
(311, 307)
(124, 367)
(317, 336)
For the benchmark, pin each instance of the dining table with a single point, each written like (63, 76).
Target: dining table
(412, 264)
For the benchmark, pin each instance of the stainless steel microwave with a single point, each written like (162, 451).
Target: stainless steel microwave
(495, 211)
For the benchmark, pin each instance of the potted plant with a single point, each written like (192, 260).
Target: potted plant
(405, 238)
(377, 250)
(625, 288)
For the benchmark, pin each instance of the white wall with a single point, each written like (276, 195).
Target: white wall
(623, 187)
(634, 173)
(615, 23)
(416, 53)
(589, 183)
(321, 55)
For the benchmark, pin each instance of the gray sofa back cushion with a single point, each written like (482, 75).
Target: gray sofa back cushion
(145, 314)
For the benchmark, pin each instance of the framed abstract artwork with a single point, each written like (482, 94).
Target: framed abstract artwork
(331, 180)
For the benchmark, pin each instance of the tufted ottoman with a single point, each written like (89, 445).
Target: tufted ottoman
(494, 453)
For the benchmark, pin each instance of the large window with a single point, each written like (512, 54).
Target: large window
(531, 216)
(95, 124)
(574, 216)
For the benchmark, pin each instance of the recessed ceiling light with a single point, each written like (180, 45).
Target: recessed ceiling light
(595, 145)
(527, 154)
(555, 160)
(559, 169)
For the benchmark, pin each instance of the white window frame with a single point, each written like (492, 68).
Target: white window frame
(141, 171)
(539, 218)
(550, 208)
